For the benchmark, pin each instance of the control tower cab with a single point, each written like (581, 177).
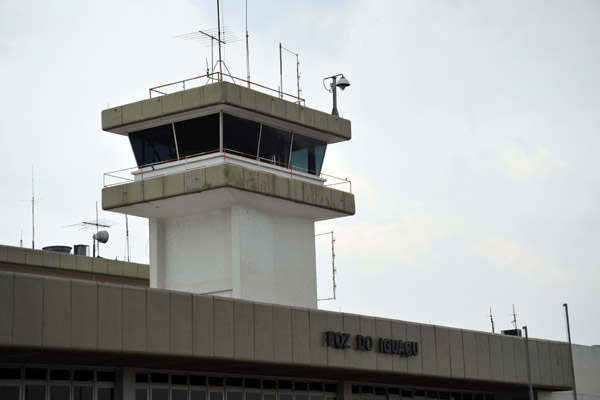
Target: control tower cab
(230, 179)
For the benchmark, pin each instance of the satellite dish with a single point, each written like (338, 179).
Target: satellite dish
(101, 236)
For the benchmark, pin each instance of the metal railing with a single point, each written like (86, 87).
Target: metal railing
(229, 156)
(218, 76)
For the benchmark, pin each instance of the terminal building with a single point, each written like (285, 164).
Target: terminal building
(230, 180)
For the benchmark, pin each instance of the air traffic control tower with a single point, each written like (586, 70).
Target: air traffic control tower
(230, 180)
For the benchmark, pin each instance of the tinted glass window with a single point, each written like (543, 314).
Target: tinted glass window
(60, 375)
(160, 394)
(140, 394)
(179, 394)
(275, 145)
(35, 373)
(9, 392)
(198, 135)
(83, 393)
(83, 375)
(10, 373)
(240, 135)
(60, 392)
(307, 154)
(106, 394)
(198, 395)
(35, 392)
(153, 145)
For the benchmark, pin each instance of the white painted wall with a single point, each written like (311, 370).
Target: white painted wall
(238, 252)
(586, 360)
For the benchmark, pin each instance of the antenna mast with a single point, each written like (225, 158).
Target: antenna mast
(492, 321)
(333, 268)
(219, 36)
(514, 314)
(247, 49)
(32, 212)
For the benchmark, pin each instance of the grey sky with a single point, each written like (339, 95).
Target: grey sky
(473, 158)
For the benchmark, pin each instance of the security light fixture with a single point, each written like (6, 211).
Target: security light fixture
(342, 83)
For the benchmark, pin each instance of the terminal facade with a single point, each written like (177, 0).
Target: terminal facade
(230, 180)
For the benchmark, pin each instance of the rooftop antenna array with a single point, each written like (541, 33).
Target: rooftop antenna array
(281, 72)
(99, 236)
(209, 37)
(333, 268)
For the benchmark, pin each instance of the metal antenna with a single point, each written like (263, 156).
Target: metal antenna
(127, 238)
(33, 199)
(492, 320)
(281, 72)
(32, 212)
(514, 314)
(333, 268)
(247, 49)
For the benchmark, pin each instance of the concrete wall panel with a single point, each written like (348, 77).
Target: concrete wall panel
(33, 257)
(243, 321)
(351, 325)
(57, 313)
(99, 265)
(368, 359)
(223, 328)
(565, 357)
(67, 261)
(7, 292)
(318, 325)
(158, 321)
(84, 315)
(263, 332)
(115, 267)
(300, 336)
(496, 357)
(202, 325)
(84, 263)
(457, 358)
(152, 108)
(442, 348)
(399, 364)
(172, 103)
(428, 349)
(335, 323)
(174, 185)
(110, 317)
(508, 359)
(282, 331)
(483, 356)
(50, 259)
(520, 360)
(15, 255)
(535, 362)
(383, 329)
(555, 364)
(153, 188)
(181, 323)
(134, 319)
(3, 253)
(413, 334)
(470, 354)
(28, 308)
(544, 357)
(195, 180)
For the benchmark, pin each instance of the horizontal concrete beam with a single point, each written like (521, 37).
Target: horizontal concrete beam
(72, 263)
(115, 119)
(226, 176)
(50, 313)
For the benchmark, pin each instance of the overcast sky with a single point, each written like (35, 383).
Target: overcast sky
(475, 124)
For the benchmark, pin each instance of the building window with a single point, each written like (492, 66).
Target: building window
(153, 145)
(198, 135)
(241, 136)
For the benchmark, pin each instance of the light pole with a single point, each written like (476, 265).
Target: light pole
(342, 83)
